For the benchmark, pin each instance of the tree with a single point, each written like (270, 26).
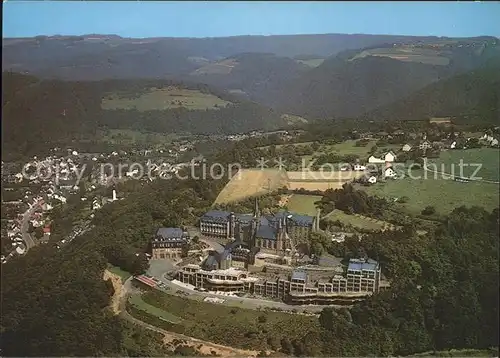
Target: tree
(429, 210)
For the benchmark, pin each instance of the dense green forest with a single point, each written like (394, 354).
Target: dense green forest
(473, 96)
(443, 293)
(345, 88)
(41, 114)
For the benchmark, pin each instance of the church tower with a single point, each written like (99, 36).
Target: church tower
(256, 217)
(256, 213)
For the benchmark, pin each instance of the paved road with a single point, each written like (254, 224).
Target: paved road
(128, 290)
(25, 223)
(160, 268)
(214, 245)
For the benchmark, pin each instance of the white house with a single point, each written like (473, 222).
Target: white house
(372, 179)
(406, 148)
(389, 173)
(494, 142)
(375, 160)
(359, 167)
(390, 157)
(453, 145)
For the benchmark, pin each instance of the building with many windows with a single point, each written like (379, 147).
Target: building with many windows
(271, 233)
(168, 243)
(362, 280)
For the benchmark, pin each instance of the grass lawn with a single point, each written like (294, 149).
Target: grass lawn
(137, 302)
(303, 204)
(165, 98)
(118, 271)
(357, 221)
(348, 147)
(236, 327)
(488, 158)
(444, 195)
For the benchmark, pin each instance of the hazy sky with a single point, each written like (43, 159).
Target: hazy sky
(211, 19)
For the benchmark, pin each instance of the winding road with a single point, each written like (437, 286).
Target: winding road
(128, 289)
(25, 223)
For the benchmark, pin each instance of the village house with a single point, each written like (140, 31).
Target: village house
(406, 147)
(390, 157)
(389, 173)
(372, 179)
(374, 160)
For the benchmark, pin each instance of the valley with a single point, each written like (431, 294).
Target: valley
(299, 195)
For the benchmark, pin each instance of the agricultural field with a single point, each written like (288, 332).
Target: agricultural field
(358, 221)
(236, 327)
(162, 99)
(488, 158)
(313, 62)
(443, 194)
(408, 54)
(251, 182)
(137, 301)
(223, 67)
(303, 204)
(311, 180)
(292, 119)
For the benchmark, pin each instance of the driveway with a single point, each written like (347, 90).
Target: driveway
(159, 268)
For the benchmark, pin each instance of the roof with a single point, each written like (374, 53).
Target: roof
(244, 218)
(170, 232)
(210, 262)
(360, 265)
(297, 219)
(299, 275)
(266, 232)
(216, 215)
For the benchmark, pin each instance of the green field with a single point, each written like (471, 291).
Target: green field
(488, 158)
(137, 302)
(444, 195)
(236, 327)
(357, 221)
(303, 204)
(421, 55)
(124, 275)
(161, 99)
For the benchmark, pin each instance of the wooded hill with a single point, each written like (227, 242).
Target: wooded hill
(474, 96)
(347, 86)
(39, 112)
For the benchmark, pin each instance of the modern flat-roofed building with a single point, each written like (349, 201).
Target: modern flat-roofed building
(363, 275)
(363, 280)
(168, 243)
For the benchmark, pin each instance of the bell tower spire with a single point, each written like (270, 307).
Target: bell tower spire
(256, 213)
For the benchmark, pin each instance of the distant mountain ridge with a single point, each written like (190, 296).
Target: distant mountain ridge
(95, 57)
(346, 86)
